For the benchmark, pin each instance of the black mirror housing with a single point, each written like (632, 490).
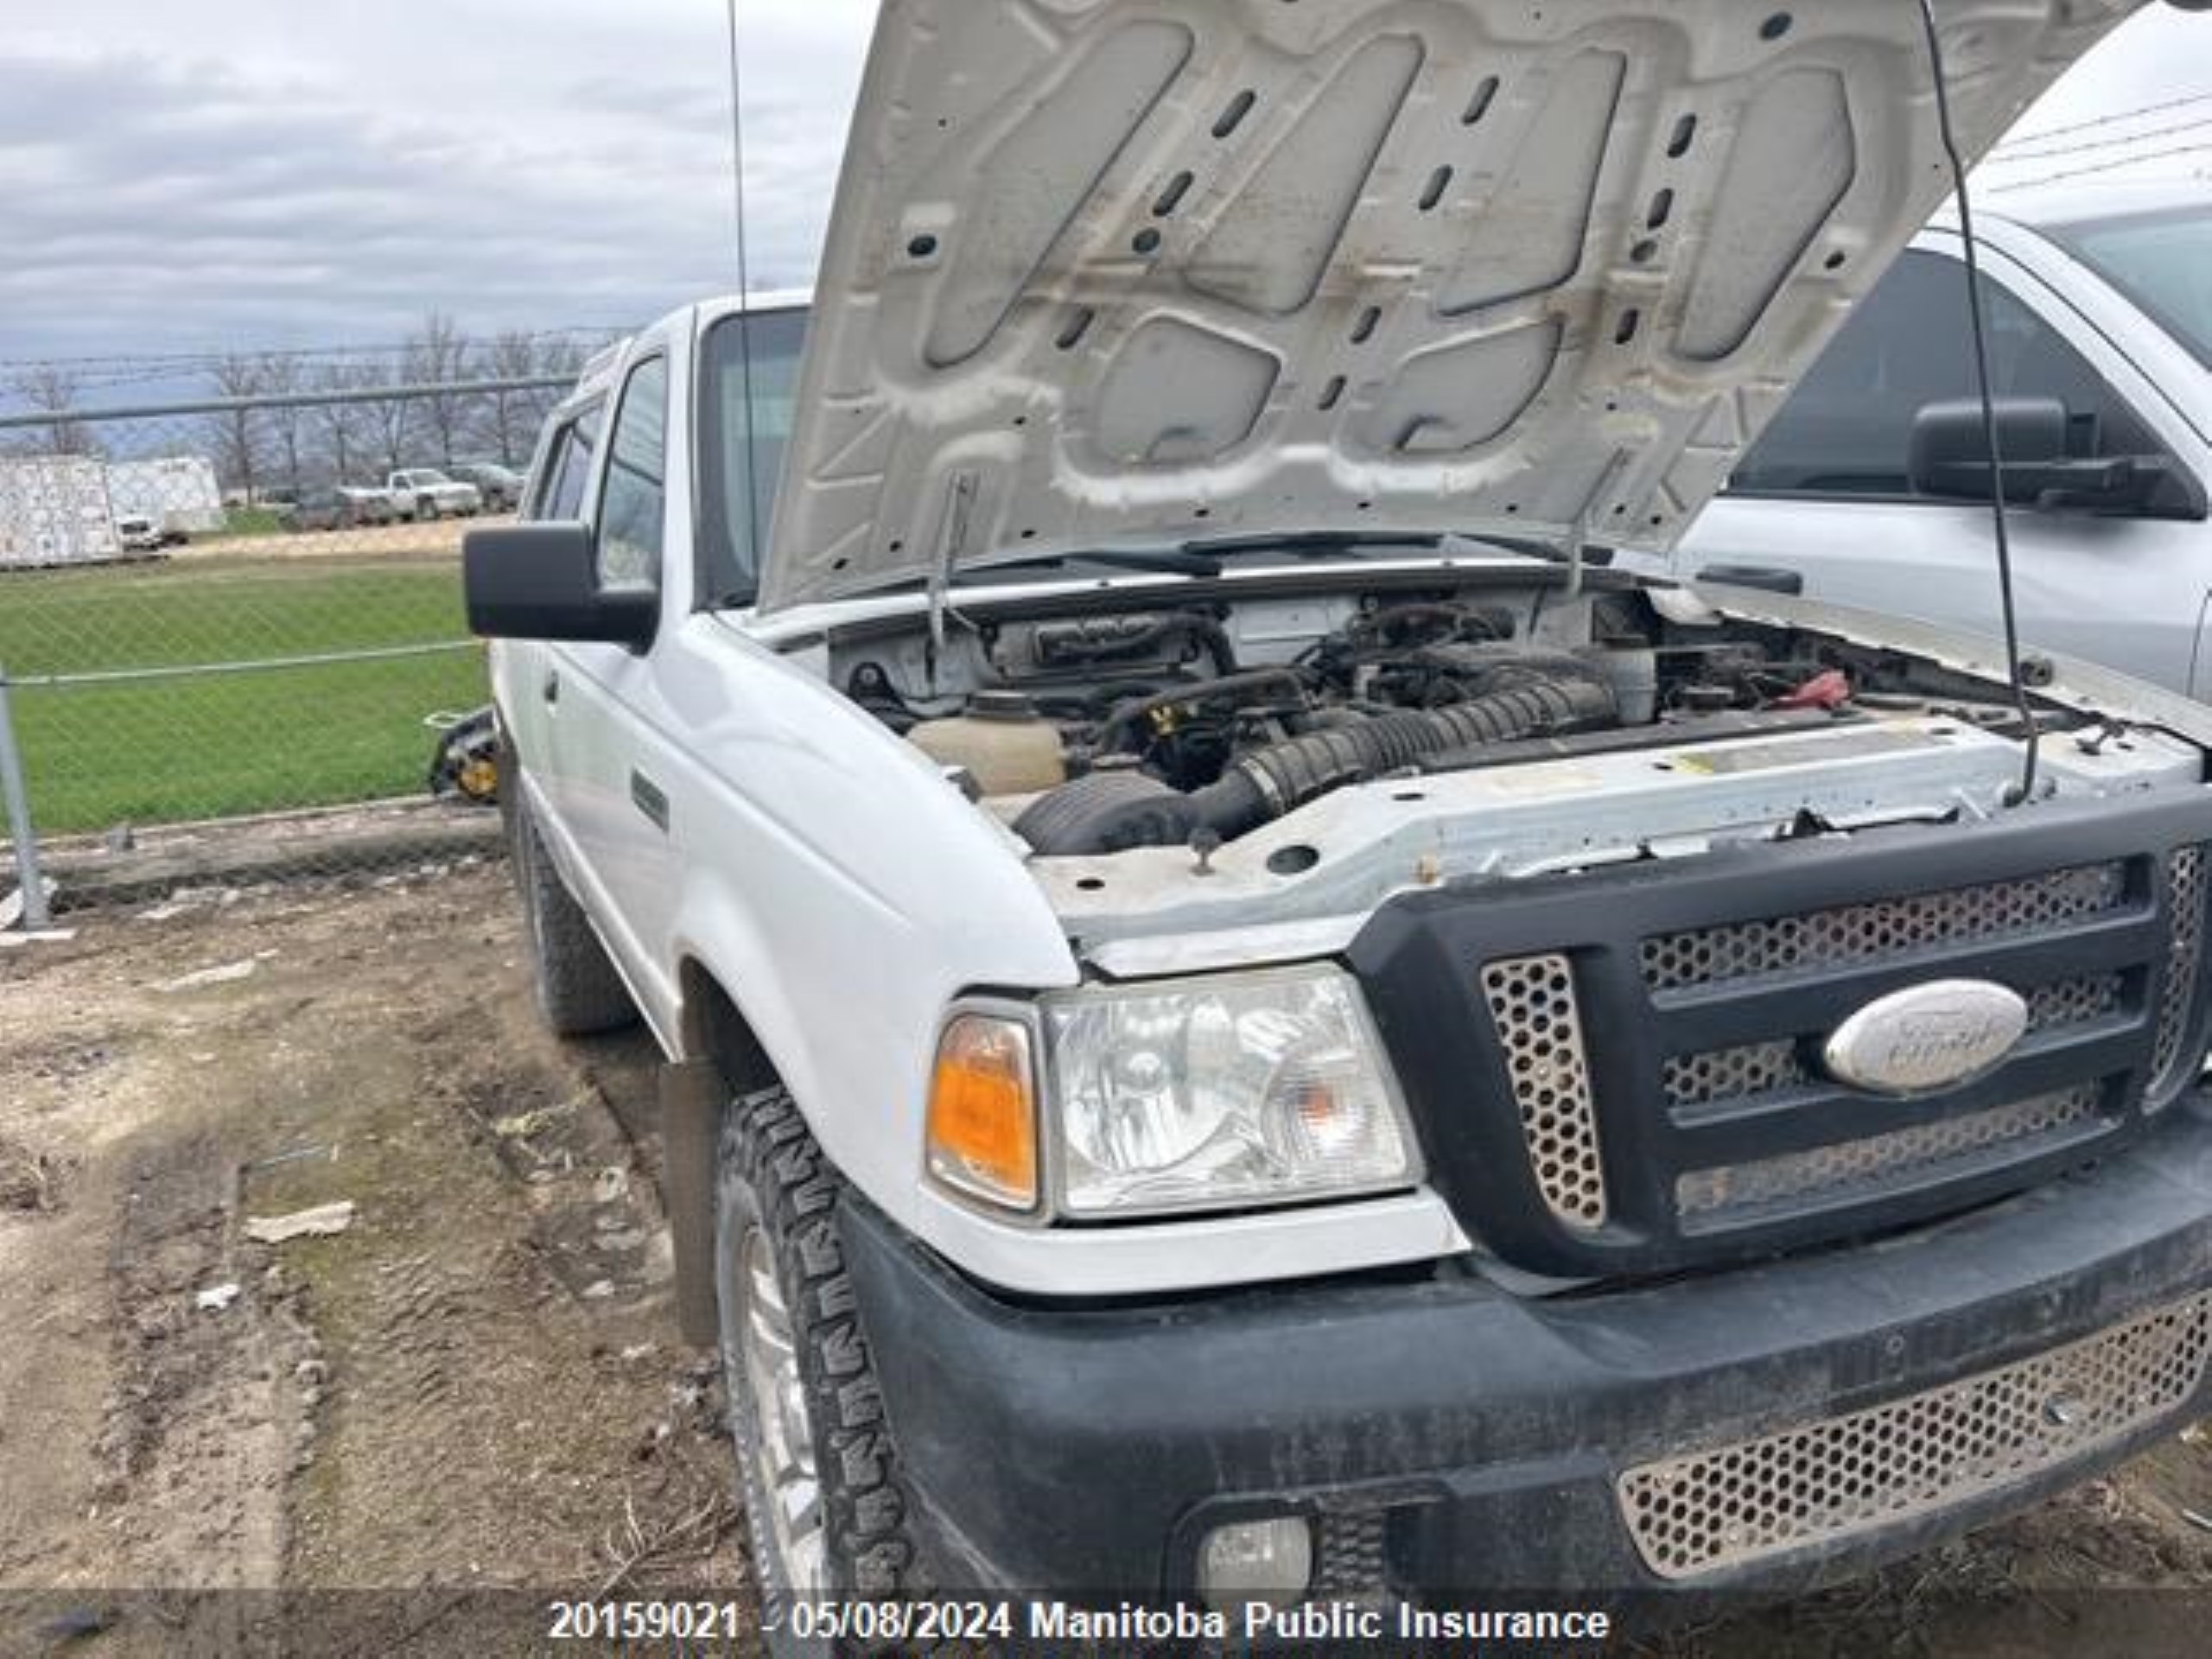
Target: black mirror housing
(2036, 437)
(541, 581)
(1949, 448)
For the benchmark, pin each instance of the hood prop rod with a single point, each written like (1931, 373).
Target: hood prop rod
(952, 542)
(2026, 790)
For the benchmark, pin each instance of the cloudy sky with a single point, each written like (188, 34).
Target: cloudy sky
(257, 173)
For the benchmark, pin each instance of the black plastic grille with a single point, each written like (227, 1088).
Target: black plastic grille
(1749, 1070)
(1700, 993)
(1871, 1163)
(1886, 927)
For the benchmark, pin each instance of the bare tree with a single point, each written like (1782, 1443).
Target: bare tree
(51, 390)
(236, 433)
(510, 418)
(437, 355)
(338, 427)
(279, 375)
(390, 421)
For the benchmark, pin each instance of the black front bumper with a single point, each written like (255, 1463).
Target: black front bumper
(1477, 1436)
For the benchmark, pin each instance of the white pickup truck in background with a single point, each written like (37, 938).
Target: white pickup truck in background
(2100, 326)
(425, 492)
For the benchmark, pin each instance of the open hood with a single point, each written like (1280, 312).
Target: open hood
(1105, 272)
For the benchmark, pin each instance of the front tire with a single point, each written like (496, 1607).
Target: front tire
(827, 1514)
(579, 993)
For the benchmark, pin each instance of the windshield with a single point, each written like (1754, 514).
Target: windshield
(742, 447)
(2162, 261)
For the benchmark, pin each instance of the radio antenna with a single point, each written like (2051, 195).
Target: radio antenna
(755, 531)
(1978, 325)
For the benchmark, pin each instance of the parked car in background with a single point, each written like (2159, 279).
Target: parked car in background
(370, 506)
(426, 492)
(139, 534)
(334, 508)
(500, 486)
(1871, 487)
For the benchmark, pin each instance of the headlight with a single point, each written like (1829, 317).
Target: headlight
(1222, 1092)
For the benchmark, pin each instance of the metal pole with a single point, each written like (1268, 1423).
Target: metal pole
(19, 817)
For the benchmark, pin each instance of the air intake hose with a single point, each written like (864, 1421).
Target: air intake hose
(1113, 812)
(1274, 782)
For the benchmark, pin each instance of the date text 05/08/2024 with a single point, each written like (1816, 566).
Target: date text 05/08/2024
(1046, 1620)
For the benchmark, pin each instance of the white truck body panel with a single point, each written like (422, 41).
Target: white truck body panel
(178, 492)
(54, 510)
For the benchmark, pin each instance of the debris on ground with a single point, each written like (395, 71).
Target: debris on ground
(321, 1221)
(522, 1126)
(215, 1298)
(465, 765)
(13, 941)
(229, 973)
(30, 1181)
(12, 906)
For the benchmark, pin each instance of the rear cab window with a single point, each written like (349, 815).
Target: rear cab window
(633, 497)
(559, 491)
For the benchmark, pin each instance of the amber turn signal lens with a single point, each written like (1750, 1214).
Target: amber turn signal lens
(983, 1120)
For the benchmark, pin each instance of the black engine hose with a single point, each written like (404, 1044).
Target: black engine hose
(1275, 781)
(1239, 684)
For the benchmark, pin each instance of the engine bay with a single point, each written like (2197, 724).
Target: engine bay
(1238, 762)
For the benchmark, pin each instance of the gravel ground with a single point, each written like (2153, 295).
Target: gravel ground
(477, 1384)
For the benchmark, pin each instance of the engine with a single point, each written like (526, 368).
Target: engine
(1101, 734)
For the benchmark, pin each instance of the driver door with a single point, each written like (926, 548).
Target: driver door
(1824, 495)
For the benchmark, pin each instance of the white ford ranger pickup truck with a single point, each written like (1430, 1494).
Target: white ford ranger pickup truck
(1249, 1023)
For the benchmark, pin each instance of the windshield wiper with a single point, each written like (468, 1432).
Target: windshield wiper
(1322, 544)
(1311, 543)
(1165, 561)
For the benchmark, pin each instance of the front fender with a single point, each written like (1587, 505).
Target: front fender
(841, 892)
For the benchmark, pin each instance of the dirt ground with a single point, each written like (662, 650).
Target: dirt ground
(476, 1385)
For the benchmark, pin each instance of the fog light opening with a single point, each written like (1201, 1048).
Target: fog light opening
(1268, 1561)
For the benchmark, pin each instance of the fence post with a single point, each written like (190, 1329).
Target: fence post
(33, 885)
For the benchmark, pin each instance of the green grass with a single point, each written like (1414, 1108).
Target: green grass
(251, 521)
(213, 746)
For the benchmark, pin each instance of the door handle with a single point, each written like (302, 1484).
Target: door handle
(1764, 576)
(552, 689)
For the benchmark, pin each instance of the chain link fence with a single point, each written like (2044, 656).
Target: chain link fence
(232, 629)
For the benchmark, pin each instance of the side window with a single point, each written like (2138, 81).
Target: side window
(560, 491)
(633, 503)
(1846, 429)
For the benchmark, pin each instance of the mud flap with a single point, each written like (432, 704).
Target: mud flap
(691, 1098)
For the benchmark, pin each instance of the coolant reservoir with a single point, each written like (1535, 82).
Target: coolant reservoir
(1006, 747)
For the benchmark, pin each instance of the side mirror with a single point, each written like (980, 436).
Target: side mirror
(541, 581)
(1948, 457)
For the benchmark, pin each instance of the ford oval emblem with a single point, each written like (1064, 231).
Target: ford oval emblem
(1930, 1037)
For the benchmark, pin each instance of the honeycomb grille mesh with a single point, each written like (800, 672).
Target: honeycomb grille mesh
(1876, 1161)
(1539, 1022)
(1887, 927)
(1755, 1069)
(1734, 1073)
(1353, 1557)
(1711, 1510)
(2185, 895)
